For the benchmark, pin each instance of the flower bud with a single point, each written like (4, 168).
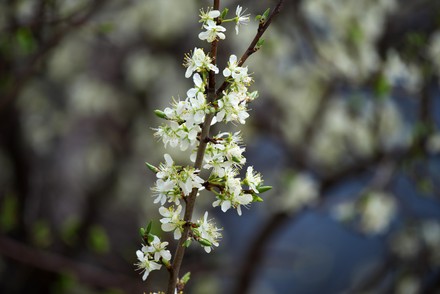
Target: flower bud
(152, 168)
(204, 242)
(160, 114)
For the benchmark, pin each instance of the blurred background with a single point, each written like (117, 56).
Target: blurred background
(346, 129)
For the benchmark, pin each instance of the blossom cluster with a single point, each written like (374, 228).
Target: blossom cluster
(223, 156)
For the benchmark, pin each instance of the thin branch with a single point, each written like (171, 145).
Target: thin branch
(252, 47)
(189, 207)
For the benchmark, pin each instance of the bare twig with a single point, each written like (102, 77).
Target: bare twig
(253, 46)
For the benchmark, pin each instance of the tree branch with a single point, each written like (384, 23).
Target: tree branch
(189, 207)
(252, 47)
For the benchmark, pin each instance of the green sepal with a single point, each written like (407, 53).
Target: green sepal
(160, 114)
(263, 189)
(185, 278)
(152, 168)
(204, 242)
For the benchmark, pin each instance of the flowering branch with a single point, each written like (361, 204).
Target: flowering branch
(188, 127)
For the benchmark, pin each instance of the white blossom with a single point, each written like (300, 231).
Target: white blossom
(208, 15)
(377, 212)
(253, 179)
(232, 195)
(198, 62)
(241, 18)
(302, 191)
(232, 107)
(163, 189)
(212, 32)
(183, 135)
(209, 232)
(145, 264)
(171, 220)
(157, 249)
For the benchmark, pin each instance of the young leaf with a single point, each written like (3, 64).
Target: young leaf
(186, 278)
(263, 189)
(224, 13)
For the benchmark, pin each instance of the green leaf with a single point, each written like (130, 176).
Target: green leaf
(98, 239)
(260, 43)
(105, 28)
(64, 284)
(25, 40)
(186, 278)
(382, 87)
(150, 238)
(149, 227)
(8, 213)
(69, 231)
(263, 189)
(265, 15)
(41, 233)
(187, 243)
(224, 13)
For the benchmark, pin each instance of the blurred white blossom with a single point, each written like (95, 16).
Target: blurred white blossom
(302, 191)
(377, 211)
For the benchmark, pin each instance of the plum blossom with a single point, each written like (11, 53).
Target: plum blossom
(222, 154)
(209, 232)
(171, 220)
(212, 32)
(208, 15)
(253, 179)
(241, 18)
(145, 264)
(198, 61)
(157, 249)
(232, 195)
(377, 212)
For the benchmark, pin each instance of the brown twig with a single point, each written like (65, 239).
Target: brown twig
(189, 207)
(252, 47)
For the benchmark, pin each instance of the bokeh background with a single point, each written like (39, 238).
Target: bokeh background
(346, 129)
